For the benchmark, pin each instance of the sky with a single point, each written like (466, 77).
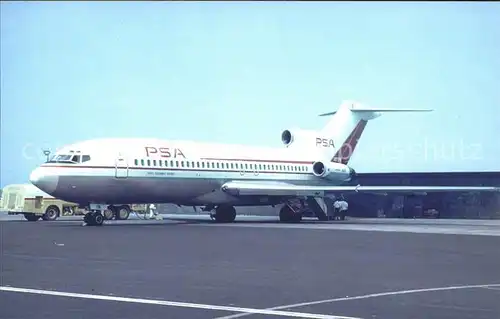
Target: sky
(241, 72)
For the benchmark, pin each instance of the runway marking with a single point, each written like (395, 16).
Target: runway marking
(247, 311)
(403, 228)
(382, 294)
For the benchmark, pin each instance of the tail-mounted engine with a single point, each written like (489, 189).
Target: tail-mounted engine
(333, 171)
(287, 137)
(290, 136)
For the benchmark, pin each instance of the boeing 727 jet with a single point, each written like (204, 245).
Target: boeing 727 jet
(106, 173)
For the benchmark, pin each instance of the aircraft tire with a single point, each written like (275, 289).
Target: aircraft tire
(122, 212)
(109, 213)
(93, 219)
(225, 214)
(287, 215)
(98, 219)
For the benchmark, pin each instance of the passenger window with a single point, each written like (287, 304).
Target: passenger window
(136, 162)
(232, 166)
(182, 163)
(142, 162)
(149, 162)
(192, 164)
(198, 164)
(154, 162)
(187, 164)
(166, 163)
(177, 163)
(203, 164)
(171, 163)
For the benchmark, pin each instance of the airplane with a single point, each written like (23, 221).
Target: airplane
(103, 173)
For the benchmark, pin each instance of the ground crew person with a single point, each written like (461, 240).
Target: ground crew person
(153, 213)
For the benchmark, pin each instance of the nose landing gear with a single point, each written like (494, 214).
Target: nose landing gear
(93, 218)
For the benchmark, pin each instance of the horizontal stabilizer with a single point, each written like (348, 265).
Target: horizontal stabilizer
(374, 110)
(389, 110)
(360, 108)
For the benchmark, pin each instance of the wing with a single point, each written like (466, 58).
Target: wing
(244, 188)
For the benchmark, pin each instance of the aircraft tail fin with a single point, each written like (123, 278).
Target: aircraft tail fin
(346, 127)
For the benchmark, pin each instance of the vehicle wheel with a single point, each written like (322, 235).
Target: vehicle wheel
(31, 217)
(51, 213)
(123, 212)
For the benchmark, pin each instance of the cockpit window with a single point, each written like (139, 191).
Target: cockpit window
(70, 159)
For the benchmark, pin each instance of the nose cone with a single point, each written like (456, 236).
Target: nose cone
(44, 180)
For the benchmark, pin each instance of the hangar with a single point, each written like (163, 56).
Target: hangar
(446, 205)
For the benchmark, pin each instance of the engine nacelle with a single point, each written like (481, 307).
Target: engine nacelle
(290, 136)
(333, 171)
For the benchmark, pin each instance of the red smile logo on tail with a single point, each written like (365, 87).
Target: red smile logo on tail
(345, 152)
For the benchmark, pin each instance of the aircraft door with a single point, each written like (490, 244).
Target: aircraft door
(121, 167)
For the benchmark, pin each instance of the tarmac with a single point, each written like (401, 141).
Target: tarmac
(255, 268)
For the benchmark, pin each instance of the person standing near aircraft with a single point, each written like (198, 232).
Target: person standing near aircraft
(340, 208)
(153, 212)
(344, 206)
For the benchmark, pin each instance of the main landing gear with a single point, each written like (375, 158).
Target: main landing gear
(289, 215)
(224, 214)
(98, 213)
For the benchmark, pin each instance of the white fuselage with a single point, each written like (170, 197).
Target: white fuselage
(182, 172)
